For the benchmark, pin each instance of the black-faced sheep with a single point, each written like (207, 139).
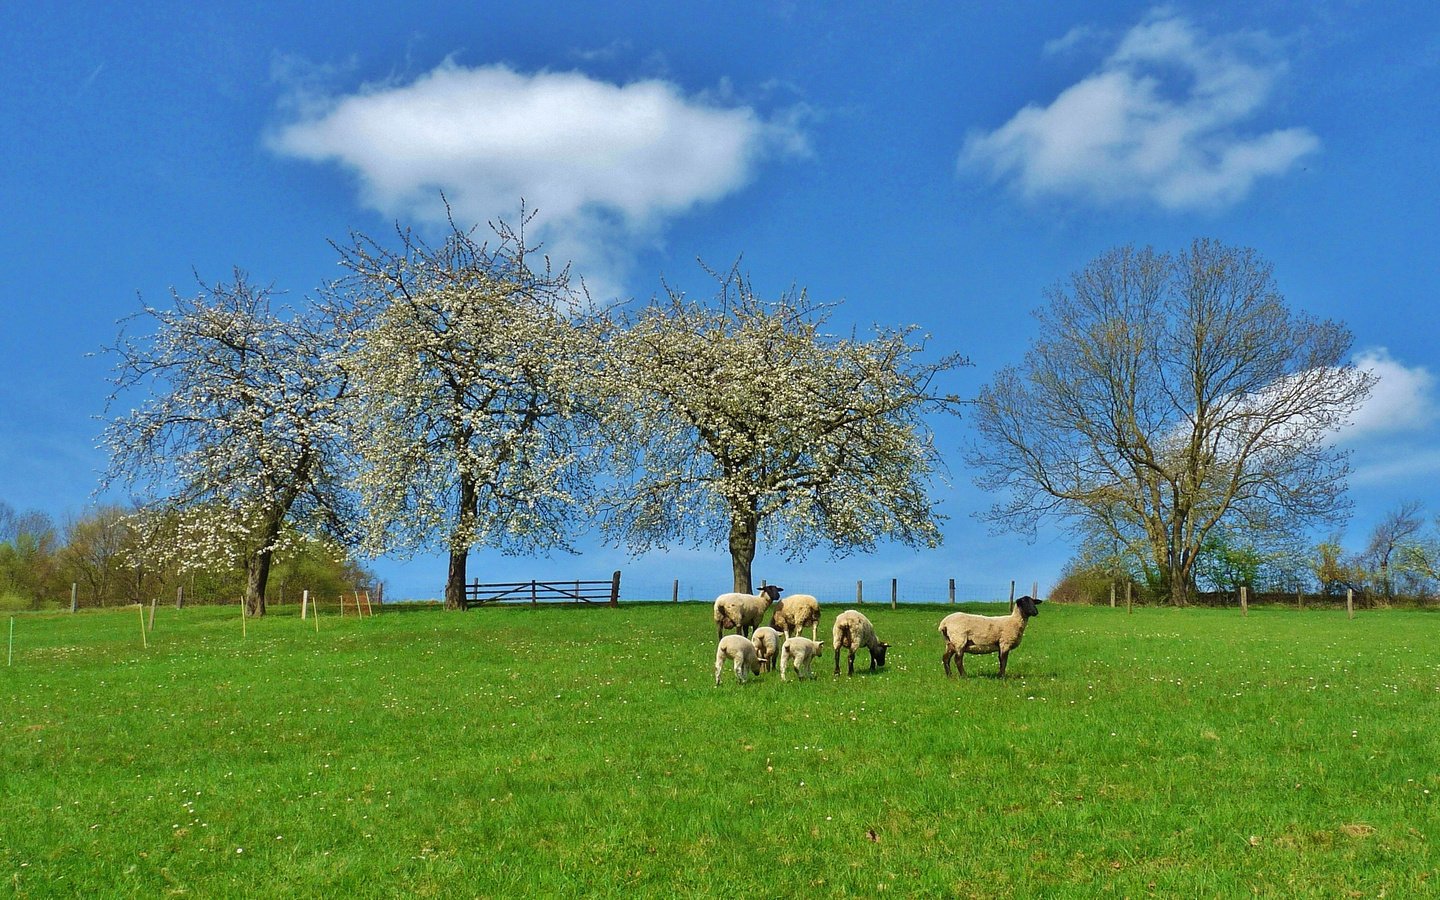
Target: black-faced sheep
(742, 651)
(799, 652)
(794, 612)
(969, 633)
(743, 612)
(767, 646)
(852, 631)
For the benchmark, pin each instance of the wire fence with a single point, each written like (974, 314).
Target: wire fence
(831, 592)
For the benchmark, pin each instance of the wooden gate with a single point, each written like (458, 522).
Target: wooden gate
(477, 594)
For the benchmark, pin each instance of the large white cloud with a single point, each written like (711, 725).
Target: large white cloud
(605, 164)
(1403, 400)
(1158, 122)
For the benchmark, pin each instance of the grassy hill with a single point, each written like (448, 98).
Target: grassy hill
(587, 752)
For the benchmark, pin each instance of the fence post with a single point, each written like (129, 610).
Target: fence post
(304, 603)
(1244, 602)
(894, 591)
(1035, 589)
(1128, 586)
(859, 593)
(952, 590)
(675, 592)
(180, 596)
(1299, 598)
(533, 601)
(1112, 595)
(1012, 595)
(73, 601)
(615, 588)
(153, 601)
(1350, 602)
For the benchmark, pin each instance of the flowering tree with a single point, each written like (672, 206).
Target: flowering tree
(238, 432)
(740, 420)
(469, 368)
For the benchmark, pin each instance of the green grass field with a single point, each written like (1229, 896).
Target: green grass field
(518, 752)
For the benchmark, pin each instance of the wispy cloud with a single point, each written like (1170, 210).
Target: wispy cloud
(1396, 466)
(607, 165)
(1158, 122)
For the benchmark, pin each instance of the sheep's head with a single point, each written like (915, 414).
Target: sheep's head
(1027, 606)
(771, 593)
(879, 655)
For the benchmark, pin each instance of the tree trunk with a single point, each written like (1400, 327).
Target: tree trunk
(257, 567)
(455, 579)
(257, 573)
(460, 543)
(742, 550)
(1179, 581)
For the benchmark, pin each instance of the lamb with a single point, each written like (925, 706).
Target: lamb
(852, 631)
(798, 652)
(742, 651)
(767, 645)
(743, 612)
(968, 633)
(794, 612)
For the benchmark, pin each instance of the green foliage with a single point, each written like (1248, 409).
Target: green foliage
(567, 752)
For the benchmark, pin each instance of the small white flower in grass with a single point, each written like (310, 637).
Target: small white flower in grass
(239, 849)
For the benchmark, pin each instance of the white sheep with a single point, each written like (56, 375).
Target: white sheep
(799, 652)
(969, 633)
(742, 651)
(794, 612)
(767, 646)
(852, 631)
(743, 612)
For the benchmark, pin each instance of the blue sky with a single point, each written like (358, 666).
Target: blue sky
(930, 163)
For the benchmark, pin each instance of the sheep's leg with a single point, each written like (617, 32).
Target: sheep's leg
(1004, 655)
(837, 659)
(719, 667)
(949, 654)
(960, 658)
(851, 669)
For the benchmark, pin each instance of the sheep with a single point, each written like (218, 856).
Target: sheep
(743, 612)
(798, 652)
(767, 645)
(742, 651)
(968, 633)
(794, 612)
(852, 631)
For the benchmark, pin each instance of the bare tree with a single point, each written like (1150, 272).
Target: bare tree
(1165, 395)
(469, 369)
(95, 551)
(1399, 530)
(740, 420)
(238, 429)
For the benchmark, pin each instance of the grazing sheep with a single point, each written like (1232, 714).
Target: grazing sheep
(968, 633)
(794, 612)
(742, 651)
(743, 612)
(852, 631)
(799, 652)
(767, 646)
